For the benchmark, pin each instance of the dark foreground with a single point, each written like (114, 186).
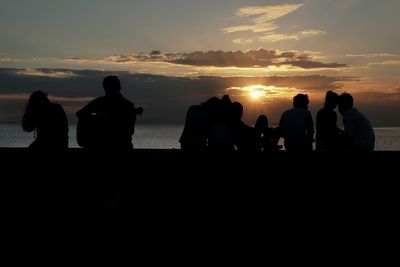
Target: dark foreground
(158, 207)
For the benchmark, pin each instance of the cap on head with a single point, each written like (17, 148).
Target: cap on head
(111, 85)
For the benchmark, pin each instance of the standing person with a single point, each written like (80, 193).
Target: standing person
(108, 122)
(327, 134)
(296, 125)
(358, 132)
(48, 120)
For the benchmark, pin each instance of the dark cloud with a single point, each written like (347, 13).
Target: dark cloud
(251, 59)
(308, 64)
(260, 58)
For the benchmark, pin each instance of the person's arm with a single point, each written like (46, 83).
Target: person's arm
(310, 126)
(281, 127)
(131, 119)
(29, 121)
(349, 128)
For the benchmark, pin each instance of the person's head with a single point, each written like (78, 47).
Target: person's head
(237, 111)
(345, 102)
(301, 101)
(111, 85)
(226, 100)
(35, 109)
(331, 100)
(37, 100)
(261, 123)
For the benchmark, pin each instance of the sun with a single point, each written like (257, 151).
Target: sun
(256, 95)
(259, 93)
(255, 92)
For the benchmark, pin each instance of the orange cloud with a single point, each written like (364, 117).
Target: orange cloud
(266, 15)
(46, 73)
(25, 97)
(287, 37)
(264, 23)
(372, 55)
(387, 62)
(4, 58)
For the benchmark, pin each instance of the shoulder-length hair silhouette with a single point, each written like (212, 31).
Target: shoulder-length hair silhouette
(48, 120)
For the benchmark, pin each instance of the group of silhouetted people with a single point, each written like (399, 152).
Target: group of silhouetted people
(108, 122)
(217, 125)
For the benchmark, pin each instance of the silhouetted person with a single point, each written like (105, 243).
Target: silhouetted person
(296, 125)
(195, 132)
(220, 135)
(327, 132)
(358, 132)
(48, 120)
(244, 136)
(266, 137)
(108, 122)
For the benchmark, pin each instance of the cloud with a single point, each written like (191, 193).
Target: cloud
(260, 58)
(308, 64)
(256, 28)
(61, 99)
(372, 55)
(266, 15)
(253, 59)
(269, 38)
(265, 23)
(383, 63)
(4, 58)
(243, 41)
(46, 73)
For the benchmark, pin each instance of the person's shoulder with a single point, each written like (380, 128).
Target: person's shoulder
(56, 107)
(98, 100)
(127, 103)
(286, 112)
(195, 108)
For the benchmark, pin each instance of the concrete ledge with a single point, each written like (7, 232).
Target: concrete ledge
(166, 206)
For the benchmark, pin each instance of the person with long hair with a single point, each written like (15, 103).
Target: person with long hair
(48, 121)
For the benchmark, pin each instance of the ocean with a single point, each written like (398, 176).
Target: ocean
(166, 136)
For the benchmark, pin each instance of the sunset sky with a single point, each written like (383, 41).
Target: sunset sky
(170, 54)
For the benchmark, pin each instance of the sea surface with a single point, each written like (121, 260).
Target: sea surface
(165, 136)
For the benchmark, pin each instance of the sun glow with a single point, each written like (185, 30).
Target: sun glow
(256, 95)
(262, 93)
